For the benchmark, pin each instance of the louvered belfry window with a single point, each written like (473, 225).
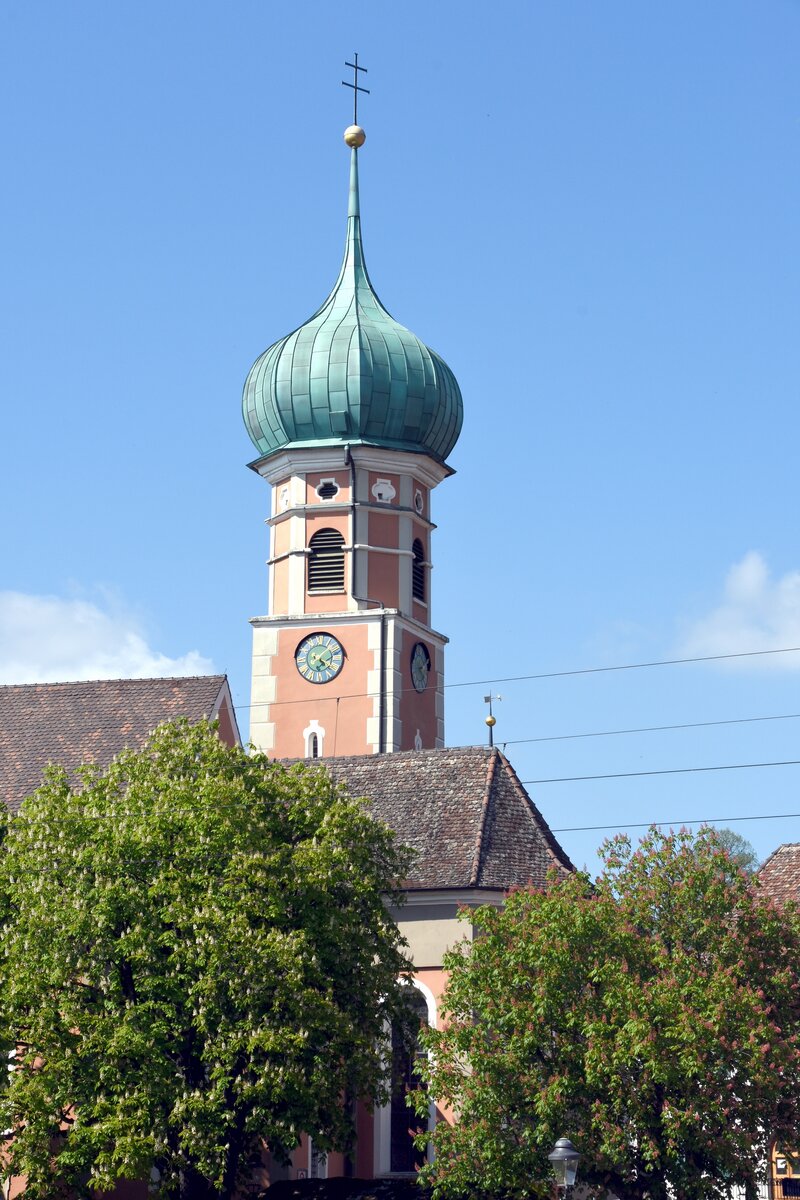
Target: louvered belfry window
(418, 571)
(326, 561)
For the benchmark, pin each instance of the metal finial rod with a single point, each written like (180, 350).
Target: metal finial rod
(491, 720)
(355, 85)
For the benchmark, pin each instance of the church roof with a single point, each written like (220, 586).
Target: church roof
(780, 874)
(463, 810)
(92, 721)
(352, 374)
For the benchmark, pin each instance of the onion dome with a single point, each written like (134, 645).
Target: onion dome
(352, 374)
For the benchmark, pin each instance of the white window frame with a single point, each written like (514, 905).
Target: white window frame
(314, 728)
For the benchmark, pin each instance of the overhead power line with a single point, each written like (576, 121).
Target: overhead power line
(658, 824)
(791, 762)
(566, 737)
(637, 666)
(661, 662)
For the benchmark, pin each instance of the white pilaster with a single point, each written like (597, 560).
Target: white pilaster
(263, 688)
(297, 564)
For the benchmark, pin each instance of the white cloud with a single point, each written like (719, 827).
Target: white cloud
(757, 613)
(44, 639)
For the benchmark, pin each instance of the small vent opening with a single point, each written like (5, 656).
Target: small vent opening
(326, 561)
(328, 489)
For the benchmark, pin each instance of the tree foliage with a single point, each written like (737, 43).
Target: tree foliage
(198, 960)
(653, 1017)
(741, 852)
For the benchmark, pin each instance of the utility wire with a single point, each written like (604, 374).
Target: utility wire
(658, 824)
(565, 737)
(661, 662)
(791, 762)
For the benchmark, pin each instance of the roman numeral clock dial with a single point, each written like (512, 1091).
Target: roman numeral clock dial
(319, 657)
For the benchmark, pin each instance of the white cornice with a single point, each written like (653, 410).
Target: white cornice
(344, 506)
(368, 614)
(298, 462)
(306, 552)
(332, 458)
(387, 550)
(401, 462)
(472, 896)
(350, 618)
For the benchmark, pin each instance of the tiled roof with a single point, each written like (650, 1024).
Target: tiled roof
(463, 810)
(780, 874)
(74, 723)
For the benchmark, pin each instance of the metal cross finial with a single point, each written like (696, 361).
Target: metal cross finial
(355, 85)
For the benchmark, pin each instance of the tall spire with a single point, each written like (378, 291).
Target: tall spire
(352, 374)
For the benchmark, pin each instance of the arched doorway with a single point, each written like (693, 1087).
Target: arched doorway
(404, 1157)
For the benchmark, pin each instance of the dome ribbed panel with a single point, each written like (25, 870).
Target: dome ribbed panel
(352, 373)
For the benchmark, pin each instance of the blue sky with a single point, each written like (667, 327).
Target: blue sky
(590, 210)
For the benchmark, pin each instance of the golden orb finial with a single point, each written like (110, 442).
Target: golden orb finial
(354, 136)
(491, 721)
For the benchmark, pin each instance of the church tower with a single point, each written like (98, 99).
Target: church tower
(353, 418)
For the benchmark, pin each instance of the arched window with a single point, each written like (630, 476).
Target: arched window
(313, 739)
(418, 589)
(326, 561)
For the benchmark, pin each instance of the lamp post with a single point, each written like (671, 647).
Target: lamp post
(565, 1159)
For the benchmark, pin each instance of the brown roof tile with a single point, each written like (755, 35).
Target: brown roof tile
(780, 874)
(463, 810)
(74, 723)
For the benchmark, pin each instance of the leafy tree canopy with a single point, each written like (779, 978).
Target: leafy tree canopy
(198, 961)
(741, 852)
(653, 1017)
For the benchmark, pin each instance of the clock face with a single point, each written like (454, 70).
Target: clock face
(420, 666)
(319, 657)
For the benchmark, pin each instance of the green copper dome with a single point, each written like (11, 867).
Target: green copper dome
(352, 374)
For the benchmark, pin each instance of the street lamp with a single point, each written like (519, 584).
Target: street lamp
(565, 1159)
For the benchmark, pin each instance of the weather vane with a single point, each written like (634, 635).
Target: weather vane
(355, 85)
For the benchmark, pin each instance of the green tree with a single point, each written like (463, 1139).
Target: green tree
(198, 962)
(741, 852)
(653, 1017)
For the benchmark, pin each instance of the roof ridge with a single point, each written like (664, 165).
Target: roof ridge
(485, 804)
(117, 679)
